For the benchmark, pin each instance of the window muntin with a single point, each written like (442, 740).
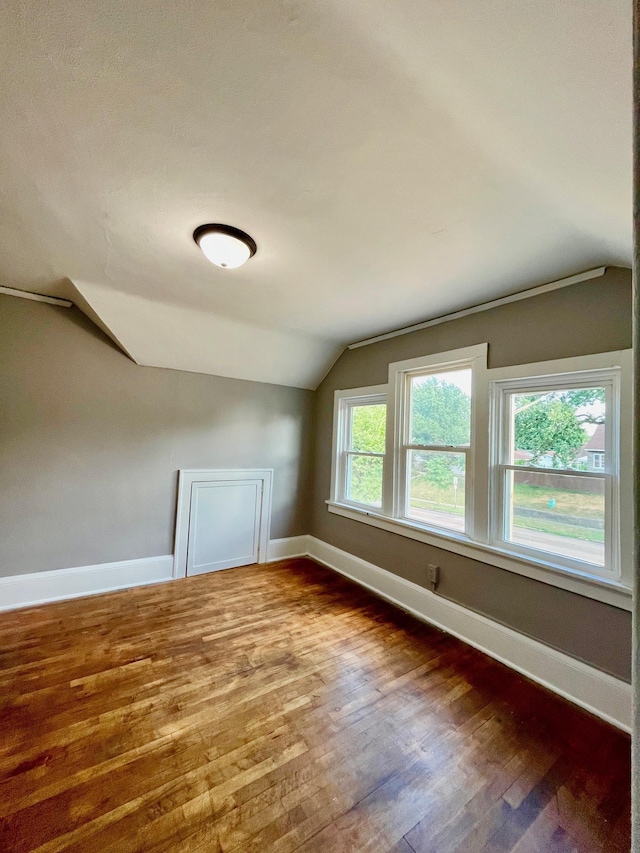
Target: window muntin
(551, 502)
(436, 443)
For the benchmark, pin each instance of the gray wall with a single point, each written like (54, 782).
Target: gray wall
(590, 317)
(90, 443)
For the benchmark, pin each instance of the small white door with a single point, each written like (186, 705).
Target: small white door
(224, 525)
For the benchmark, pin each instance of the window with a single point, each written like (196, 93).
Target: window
(413, 463)
(524, 467)
(361, 426)
(433, 482)
(435, 447)
(549, 502)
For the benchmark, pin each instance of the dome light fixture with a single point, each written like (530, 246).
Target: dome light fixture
(225, 246)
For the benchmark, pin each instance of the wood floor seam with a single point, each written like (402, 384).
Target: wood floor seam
(282, 708)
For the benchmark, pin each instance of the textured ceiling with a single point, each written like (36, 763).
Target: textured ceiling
(393, 160)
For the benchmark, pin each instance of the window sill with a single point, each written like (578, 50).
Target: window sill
(599, 589)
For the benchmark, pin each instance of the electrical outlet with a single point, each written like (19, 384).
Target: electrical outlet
(432, 574)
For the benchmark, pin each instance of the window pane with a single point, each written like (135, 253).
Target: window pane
(559, 429)
(436, 488)
(557, 513)
(368, 426)
(441, 408)
(364, 480)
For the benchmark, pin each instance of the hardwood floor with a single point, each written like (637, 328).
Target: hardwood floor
(282, 708)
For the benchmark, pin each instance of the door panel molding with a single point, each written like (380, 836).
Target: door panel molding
(225, 521)
(188, 477)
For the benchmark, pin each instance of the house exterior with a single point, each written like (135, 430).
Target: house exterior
(524, 457)
(594, 450)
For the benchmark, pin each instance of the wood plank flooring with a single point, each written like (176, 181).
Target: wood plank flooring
(282, 708)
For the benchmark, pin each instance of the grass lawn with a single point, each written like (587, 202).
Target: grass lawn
(426, 495)
(586, 534)
(567, 503)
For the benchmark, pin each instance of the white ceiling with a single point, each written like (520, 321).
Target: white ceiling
(393, 161)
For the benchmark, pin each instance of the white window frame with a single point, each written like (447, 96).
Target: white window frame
(398, 439)
(477, 543)
(344, 403)
(501, 440)
(599, 456)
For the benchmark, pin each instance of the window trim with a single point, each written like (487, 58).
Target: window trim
(616, 593)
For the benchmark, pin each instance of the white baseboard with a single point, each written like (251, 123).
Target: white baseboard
(42, 587)
(601, 694)
(283, 549)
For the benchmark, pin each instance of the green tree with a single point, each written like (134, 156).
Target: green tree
(440, 413)
(368, 428)
(580, 398)
(439, 468)
(550, 424)
(365, 481)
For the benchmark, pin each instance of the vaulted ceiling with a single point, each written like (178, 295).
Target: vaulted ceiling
(394, 160)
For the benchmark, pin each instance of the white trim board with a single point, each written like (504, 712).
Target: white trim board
(603, 695)
(484, 306)
(285, 549)
(36, 297)
(60, 584)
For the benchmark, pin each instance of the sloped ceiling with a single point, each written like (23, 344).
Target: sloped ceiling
(393, 160)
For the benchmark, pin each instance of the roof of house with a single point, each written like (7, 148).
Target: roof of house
(519, 455)
(596, 442)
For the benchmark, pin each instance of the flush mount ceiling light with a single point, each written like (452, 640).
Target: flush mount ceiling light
(224, 245)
